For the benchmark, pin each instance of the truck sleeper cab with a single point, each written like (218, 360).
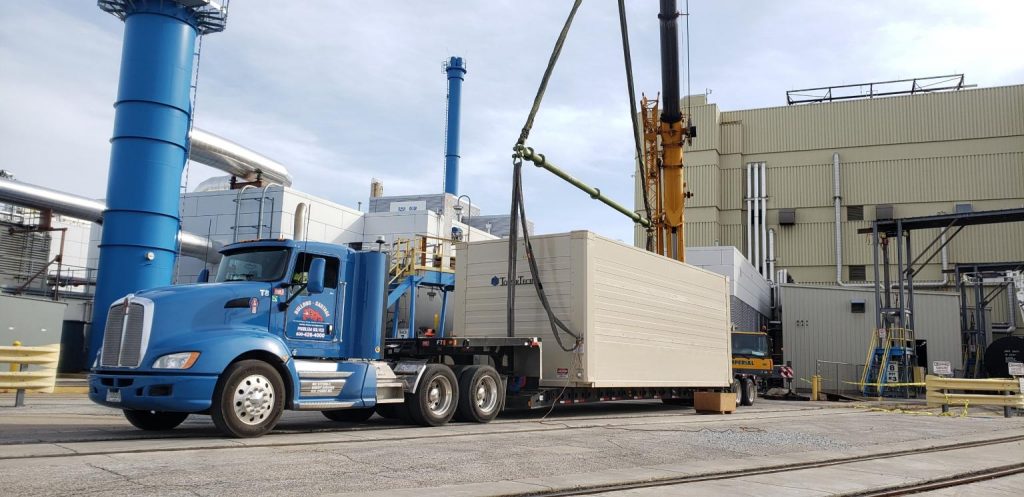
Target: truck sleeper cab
(285, 325)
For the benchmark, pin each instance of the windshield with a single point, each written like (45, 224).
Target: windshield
(256, 264)
(750, 345)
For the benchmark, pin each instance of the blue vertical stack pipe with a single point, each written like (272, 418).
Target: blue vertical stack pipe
(456, 70)
(148, 151)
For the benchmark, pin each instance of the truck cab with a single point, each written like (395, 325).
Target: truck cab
(751, 364)
(283, 325)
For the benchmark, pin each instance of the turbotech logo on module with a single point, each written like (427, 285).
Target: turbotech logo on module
(503, 281)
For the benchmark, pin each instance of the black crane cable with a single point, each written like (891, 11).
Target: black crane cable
(628, 60)
(518, 213)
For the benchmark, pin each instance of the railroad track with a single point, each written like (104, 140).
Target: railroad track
(904, 489)
(500, 427)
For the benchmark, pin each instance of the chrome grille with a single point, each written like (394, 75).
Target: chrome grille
(112, 335)
(124, 335)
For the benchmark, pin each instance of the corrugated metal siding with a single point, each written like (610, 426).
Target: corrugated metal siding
(833, 333)
(805, 244)
(732, 234)
(701, 234)
(732, 138)
(948, 116)
(799, 186)
(22, 254)
(977, 177)
(733, 188)
(702, 181)
(705, 118)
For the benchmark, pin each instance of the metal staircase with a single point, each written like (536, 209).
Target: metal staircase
(423, 261)
(889, 364)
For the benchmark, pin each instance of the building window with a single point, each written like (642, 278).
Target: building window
(855, 213)
(964, 208)
(857, 306)
(858, 273)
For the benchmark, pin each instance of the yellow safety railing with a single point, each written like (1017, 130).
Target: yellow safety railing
(898, 337)
(422, 253)
(41, 378)
(945, 392)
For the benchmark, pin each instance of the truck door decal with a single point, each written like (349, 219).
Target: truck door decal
(315, 317)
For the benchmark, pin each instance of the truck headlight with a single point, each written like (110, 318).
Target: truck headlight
(178, 360)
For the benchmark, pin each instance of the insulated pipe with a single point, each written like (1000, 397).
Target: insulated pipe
(538, 159)
(234, 159)
(771, 254)
(455, 68)
(299, 224)
(763, 193)
(87, 209)
(750, 215)
(148, 152)
(757, 242)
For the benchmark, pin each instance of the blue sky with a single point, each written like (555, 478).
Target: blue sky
(344, 91)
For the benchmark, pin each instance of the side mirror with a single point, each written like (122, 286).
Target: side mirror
(315, 282)
(204, 276)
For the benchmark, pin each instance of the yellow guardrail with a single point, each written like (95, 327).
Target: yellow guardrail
(42, 377)
(945, 392)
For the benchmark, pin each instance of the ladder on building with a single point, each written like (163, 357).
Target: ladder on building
(888, 367)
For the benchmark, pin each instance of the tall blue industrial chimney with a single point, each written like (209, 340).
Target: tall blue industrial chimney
(456, 69)
(149, 146)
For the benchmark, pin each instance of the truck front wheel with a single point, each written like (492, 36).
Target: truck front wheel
(749, 391)
(154, 420)
(481, 394)
(737, 389)
(248, 400)
(436, 397)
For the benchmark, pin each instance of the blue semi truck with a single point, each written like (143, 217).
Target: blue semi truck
(291, 325)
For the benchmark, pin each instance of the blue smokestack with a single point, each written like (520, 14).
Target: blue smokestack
(149, 146)
(456, 69)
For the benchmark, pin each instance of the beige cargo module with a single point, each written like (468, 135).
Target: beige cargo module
(646, 320)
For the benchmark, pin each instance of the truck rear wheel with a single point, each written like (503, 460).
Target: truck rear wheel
(436, 397)
(155, 420)
(248, 400)
(349, 415)
(480, 394)
(749, 391)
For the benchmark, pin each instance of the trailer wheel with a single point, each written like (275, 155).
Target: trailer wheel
(155, 420)
(480, 394)
(436, 397)
(749, 391)
(248, 400)
(349, 415)
(737, 388)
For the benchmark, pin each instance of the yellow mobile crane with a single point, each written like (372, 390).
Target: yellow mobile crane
(662, 159)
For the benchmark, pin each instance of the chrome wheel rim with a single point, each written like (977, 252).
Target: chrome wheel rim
(486, 395)
(737, 389)
(439, 395)
(253, 400)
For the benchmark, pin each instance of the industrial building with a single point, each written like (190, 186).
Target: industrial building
(899, 156)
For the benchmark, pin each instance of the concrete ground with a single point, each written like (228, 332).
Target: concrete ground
(63, 445)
